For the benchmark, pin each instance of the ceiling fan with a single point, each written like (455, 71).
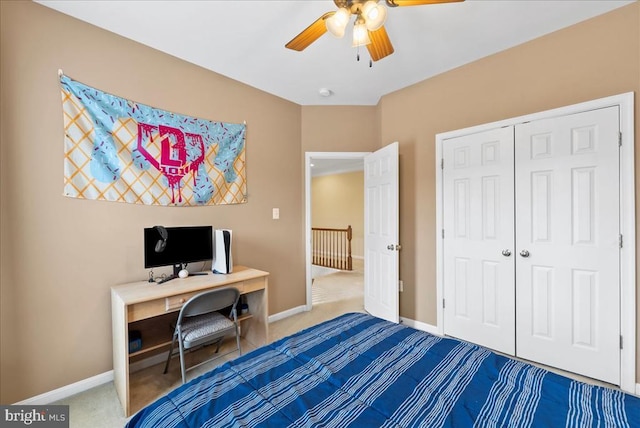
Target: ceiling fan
(368, 26)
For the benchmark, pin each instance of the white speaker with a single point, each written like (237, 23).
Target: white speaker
(222, 261)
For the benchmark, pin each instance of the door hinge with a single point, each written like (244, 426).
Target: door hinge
(620, 139)
(442, 163)
(442, 233)
(442, 303)
(621, 342)
(620, 241)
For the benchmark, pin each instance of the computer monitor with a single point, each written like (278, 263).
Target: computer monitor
(177, 246)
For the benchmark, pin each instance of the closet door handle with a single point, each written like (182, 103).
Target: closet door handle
(524, 253)
(506, 252)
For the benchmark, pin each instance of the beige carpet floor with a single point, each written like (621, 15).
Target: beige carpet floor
(333, 295)
(340, 285)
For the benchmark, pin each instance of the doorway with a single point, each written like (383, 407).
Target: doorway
(324, 164)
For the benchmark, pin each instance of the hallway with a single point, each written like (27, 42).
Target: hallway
(340, 286)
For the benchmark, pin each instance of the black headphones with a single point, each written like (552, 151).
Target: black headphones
(162, 243)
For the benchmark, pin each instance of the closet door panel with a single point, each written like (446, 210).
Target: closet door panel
(478, 226)
(567, 228)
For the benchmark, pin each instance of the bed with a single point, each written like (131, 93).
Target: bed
(361, 371)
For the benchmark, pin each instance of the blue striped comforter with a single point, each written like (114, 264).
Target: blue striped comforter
(360, 371)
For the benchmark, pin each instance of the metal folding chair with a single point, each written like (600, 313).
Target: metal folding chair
(200, 323)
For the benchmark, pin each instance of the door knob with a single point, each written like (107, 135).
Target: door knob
(396, 247)
(390, 247)
(506, 252)
(524, 253)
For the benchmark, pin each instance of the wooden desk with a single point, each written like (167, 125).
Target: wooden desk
(142, 306)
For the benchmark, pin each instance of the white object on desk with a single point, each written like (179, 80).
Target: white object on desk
(183, 273)
(222, 260)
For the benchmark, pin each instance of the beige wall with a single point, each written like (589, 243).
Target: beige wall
(337, 201)
(60, 256)
(340, 129)
(594, 59)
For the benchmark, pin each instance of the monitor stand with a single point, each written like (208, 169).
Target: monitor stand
(176, 269)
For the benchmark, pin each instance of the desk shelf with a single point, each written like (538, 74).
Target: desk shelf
(244, 317)
(150, 348)
(156, 334)
(153, 339)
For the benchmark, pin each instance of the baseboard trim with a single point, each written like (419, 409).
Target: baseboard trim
(288, 313)
(420, 325)
(69, 390)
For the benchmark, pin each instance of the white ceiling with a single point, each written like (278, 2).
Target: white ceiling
(244, 39)
(324, 166)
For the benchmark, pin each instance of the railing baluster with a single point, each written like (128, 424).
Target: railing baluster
(332, 247)
(349, 260)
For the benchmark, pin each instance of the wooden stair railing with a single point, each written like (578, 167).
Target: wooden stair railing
(332, 247)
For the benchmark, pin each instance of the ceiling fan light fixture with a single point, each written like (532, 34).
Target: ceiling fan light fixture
(374, 15)
(337, 23)
(360, 33)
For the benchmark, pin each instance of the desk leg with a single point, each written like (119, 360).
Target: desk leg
(120, 351)
(256, 329)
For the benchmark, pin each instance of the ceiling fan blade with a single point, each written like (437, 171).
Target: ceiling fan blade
(395, 3)
(380, 45)
(309, 34)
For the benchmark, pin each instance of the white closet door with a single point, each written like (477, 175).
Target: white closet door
(478, 241)
(567, 243)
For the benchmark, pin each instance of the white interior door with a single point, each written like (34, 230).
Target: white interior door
(381, 233)
(567, 235)
(478, 239)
